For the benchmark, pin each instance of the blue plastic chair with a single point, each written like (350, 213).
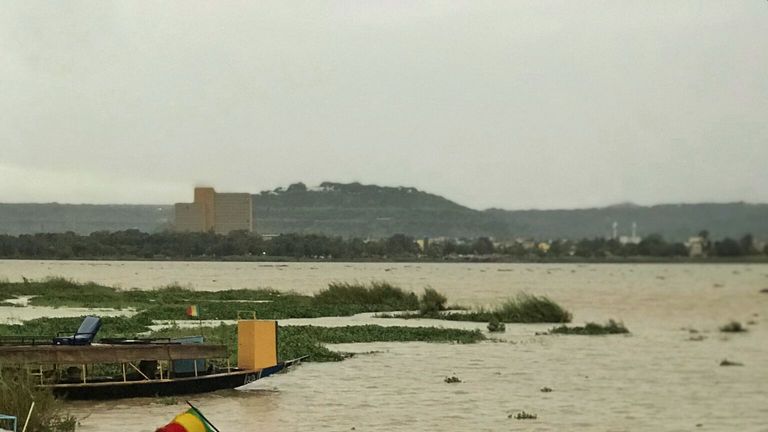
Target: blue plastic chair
(83, 336)
(8, 422)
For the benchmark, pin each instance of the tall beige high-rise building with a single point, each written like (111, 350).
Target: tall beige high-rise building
(213, 211)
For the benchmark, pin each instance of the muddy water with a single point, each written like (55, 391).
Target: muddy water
(656, 379)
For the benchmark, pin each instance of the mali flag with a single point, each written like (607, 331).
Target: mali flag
(189, 421)
(192, 311)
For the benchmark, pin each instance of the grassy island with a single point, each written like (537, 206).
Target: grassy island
(524, 308)
(168, 303)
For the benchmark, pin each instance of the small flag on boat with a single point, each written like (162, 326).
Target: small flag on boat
(190, 421)
(192, 311)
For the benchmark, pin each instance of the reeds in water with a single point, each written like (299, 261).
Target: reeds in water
(17, 392)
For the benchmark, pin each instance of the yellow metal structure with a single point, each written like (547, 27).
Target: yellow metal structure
(256, 344)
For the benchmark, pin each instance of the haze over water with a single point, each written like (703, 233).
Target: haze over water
(654, 379)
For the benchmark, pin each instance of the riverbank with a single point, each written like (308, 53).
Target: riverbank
(487, 259)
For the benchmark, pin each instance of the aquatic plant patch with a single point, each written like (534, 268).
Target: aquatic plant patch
(170, 302)
(522, 415)
(297, 341)
(733, 327)
(496, 326)
(383, 294)
(524, 308)
(592, 329)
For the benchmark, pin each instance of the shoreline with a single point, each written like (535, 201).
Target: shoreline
(478, 259)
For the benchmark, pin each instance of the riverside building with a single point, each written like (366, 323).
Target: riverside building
(214, 211)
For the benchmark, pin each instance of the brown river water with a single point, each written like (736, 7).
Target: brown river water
(656, 379)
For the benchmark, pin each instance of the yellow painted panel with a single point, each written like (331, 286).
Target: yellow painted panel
(256, 344)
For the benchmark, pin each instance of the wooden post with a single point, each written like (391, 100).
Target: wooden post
(124, 377)
(160, 363)
(84, 366)
(41, 374)
(229, 367)
(195, 363)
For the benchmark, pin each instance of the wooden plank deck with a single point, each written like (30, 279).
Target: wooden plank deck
(96, 353)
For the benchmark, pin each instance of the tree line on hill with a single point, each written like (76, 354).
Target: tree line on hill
(134, 244)
(370, 211)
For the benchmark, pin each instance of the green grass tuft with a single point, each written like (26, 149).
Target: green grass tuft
(378, 296)
(524, 308)
(431, 302)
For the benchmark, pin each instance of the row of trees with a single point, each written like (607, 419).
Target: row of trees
(174, 245)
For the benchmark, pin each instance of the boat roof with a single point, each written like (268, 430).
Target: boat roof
(108, 353)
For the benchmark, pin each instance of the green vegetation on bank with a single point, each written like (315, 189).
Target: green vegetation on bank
(339, 299)
(169, 303)
(592, 329)
(18, 390)
(244, 246)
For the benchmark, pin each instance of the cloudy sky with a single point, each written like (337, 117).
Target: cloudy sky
(511, 104)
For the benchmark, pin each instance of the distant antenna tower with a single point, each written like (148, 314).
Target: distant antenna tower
(615, 230)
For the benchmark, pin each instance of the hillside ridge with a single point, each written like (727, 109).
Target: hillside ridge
(371, 211)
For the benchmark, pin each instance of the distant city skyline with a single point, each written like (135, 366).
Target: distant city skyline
(513, 105)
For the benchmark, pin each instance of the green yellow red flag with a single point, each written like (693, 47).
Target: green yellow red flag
(189, 421)
(193, 311)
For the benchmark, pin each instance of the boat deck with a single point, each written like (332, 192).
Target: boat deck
(108, 353)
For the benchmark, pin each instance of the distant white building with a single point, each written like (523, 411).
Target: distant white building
(696, 246)
(633, 239)
(630, 240)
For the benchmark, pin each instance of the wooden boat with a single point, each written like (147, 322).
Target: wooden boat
(148, 368)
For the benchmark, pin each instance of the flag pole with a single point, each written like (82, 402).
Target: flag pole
(197, 411)
(200, 323)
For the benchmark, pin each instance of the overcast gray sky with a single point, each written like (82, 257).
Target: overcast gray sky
(511, 104)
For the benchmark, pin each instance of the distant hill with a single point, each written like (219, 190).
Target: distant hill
(356, 210)
(18, 219)
(673, 221)
(367, 211)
